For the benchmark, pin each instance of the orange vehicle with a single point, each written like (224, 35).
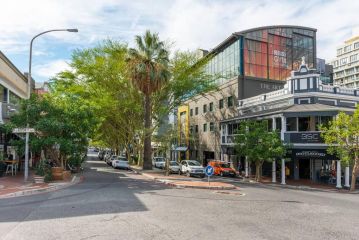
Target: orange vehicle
(222, 168)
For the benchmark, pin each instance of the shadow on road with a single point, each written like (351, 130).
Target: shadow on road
(103, 191)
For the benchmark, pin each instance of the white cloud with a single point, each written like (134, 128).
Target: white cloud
(50, 69)
(191, 24)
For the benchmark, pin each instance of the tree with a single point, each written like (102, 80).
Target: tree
(342, 136)
(149, 71)
(254, 141)
(63, 126)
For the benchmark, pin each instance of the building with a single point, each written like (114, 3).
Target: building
(346, 64)
(13, 87)
(325, 71)
(247, 63)
(295, 111)
(41, 88)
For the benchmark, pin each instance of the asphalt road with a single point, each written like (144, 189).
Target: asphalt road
(113, 204)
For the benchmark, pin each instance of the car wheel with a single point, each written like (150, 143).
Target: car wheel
(188, 174)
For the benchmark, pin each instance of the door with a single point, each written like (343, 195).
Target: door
(304, 168)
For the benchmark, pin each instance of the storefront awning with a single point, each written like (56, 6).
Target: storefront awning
(180, 149)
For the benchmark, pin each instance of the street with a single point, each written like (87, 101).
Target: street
(118, 204)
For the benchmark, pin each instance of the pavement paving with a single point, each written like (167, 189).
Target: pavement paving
(118, 204)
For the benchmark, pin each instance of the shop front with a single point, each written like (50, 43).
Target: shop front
(313, 164)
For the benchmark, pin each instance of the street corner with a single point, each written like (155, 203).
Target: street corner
(18, 190)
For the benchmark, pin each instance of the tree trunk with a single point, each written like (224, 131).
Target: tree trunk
(147, 162)
(258, 171)
(354, 173)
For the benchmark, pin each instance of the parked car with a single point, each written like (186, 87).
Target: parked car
(159, 162)
(101, 154)
(192, 168)
(174, 167)
(110, 159)
(120, 163)
(222, 168)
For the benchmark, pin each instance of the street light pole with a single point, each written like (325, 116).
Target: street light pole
(26, 172)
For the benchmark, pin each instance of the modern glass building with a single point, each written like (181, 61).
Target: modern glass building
(267, 52)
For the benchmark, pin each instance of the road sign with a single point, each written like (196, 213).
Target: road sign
(209, 171)
(23, 130)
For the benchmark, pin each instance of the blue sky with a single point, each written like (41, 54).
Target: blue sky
(190, 24)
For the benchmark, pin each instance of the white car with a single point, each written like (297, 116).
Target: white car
(110, 159)
(120, 163)
(159, 162)
(174, 167)
(192, 168)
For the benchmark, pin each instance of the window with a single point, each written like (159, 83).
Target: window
(211, 126)
(205, 108)
(230, 101)
(191, 129)
(339, 51)
(191, 112)
(304, 124)
(221, 104)
(343, 61)
(196, 111)
(278, 124)
(205, 127)
(347, 48)
(356, 45)
(211, 107)
(353, 58)
(291, 124)
(196, 129)
(322, 120)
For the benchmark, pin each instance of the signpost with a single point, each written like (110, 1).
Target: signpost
(209, 172)
(27, 131)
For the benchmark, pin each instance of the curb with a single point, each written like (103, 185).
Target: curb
(173, 184)
(75, 180)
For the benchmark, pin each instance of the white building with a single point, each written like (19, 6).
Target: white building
(346, 64)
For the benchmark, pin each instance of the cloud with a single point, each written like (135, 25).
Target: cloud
(190, 24)
(50, 69)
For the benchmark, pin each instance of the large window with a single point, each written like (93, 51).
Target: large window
(274, 53)
(211, 107)
(303, 124)
(205, 127)
(196, 111)
(225, 63)
(205, 108)
(221, 105)
(230, 101)
(14, 99)
(211, 126)
(292, 124)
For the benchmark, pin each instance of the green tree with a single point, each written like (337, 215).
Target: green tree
(149, 70)
(254, 141)
(342, 136)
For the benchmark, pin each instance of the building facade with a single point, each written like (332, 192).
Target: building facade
(346, 64)
(245, 64)
(296, 111)
(326, 71)
(13, 88)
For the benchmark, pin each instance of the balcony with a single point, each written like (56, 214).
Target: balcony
(303, 137)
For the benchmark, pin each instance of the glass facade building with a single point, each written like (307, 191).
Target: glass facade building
(265, 53)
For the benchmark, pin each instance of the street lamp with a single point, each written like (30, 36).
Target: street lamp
(26, 174)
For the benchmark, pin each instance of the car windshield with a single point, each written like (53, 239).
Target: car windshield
(194, 163)
(160, 159)
(225, 165)
(114, 157)
(173, 163)
(122, 159)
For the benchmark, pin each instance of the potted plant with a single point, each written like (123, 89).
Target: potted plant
(43, 172)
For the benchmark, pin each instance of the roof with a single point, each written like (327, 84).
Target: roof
(296, 109)
(12, 66)
(235, 35)
(316, 107)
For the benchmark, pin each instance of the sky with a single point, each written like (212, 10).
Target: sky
(190, 24)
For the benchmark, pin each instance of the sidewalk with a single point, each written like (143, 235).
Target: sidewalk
(14, 186)
(181, 181)
(299, 184)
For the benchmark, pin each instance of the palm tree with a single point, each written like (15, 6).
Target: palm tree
(149, 71)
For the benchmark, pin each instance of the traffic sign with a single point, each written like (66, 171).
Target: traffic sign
(209, 171)
(23, 130)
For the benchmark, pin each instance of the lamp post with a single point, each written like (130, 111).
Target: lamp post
(26, 173)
